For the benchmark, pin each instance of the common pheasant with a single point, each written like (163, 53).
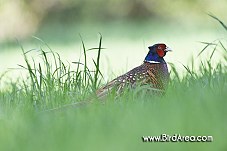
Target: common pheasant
(153, 72)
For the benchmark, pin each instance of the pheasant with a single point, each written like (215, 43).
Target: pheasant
(153, 72)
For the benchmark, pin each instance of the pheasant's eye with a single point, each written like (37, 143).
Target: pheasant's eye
(159, 47)
(161, 53)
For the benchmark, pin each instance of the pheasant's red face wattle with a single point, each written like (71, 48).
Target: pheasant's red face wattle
(160, 52)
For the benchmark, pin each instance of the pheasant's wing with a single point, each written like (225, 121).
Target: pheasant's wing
(140, 75)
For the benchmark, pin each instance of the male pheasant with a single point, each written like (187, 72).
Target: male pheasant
(153, 72)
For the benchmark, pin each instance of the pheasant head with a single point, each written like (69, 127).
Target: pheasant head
(156, 53)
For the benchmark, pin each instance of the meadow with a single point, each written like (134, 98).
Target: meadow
(194, 104)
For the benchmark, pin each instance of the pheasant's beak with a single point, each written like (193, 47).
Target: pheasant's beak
(168, 49)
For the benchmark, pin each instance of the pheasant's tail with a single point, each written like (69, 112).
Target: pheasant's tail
(103, 91)
(100, 93)
(66, 107)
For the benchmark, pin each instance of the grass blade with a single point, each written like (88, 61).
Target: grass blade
(214, 17)
(97, 63)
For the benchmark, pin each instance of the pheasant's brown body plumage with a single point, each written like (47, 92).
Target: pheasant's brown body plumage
(154, 74)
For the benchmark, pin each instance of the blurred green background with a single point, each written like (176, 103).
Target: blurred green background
(193, 106)
(127, 26)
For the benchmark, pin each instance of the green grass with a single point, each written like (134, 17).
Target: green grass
(193, 105)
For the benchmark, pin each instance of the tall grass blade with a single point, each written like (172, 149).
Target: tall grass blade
(85, 61)
(214, 17)
(222, 46)
(97, 62)
(188, 70)
(213, 52)
(207, 45)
